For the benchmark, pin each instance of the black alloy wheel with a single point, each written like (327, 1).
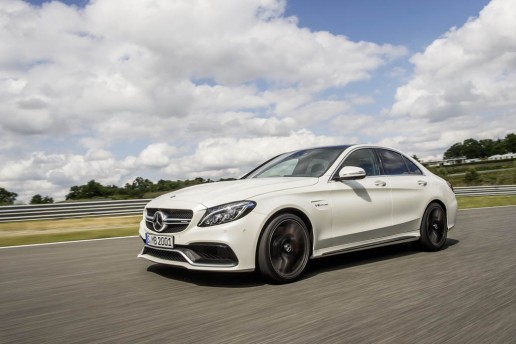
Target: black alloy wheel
(284, 249)
(434, 228)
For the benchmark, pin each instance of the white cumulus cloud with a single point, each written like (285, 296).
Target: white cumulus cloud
(189, 85)
(464, 83)
(469, 70)
(188, 88)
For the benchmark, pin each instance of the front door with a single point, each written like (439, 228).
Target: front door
(361, 209)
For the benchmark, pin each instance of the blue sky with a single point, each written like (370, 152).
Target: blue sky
(172, 89)
(414, 24)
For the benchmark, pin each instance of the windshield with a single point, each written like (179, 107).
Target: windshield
(303, 163)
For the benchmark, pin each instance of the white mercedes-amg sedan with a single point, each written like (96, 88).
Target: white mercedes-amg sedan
(298, 206)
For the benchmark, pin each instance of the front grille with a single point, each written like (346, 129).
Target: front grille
(162, 254)
(177, 219)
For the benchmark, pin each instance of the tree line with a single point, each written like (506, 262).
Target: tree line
(137, 189)
(472, 148)
(93, 189)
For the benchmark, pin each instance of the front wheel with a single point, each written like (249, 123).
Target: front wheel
(284, 249)
(434, 228)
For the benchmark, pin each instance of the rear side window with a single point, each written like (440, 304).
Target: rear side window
(393, 163)
(413, 169)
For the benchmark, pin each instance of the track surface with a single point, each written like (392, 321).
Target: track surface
(100, 292)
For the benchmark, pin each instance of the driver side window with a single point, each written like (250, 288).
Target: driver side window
(364, 158)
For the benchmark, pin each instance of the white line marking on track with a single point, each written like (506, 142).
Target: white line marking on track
(69, 242)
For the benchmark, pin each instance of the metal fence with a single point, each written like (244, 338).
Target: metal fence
(135, 207)
(495, 190)
(71, 210)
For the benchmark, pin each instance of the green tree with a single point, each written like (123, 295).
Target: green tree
(168, 185)
(488, 147)
(454, 151)
(471, 148)
(38, 199)
(510, 143)
(91, 189)
(142, 185)
(499, 147)
(74, 193)
(95, 189)
(138, 187)
(7, 197)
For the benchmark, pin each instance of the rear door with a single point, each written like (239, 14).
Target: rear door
(409, 189)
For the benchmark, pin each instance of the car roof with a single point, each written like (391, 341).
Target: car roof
(343, 147)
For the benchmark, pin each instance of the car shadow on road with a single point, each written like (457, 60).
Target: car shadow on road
(315, 267)
(369, 256)
(207, 278)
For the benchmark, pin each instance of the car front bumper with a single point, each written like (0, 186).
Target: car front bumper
(227, 247)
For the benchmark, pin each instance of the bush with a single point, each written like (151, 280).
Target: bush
(472, 176)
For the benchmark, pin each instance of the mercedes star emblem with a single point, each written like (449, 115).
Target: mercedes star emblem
(158, 221)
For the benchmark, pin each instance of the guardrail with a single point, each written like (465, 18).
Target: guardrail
(135, 207)
(71, 210)
(493, 190)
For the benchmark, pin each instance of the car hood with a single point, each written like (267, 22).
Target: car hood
(213, 194)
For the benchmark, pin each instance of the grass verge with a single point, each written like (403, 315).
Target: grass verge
(37, 232)
(56, 237)
(466, 202)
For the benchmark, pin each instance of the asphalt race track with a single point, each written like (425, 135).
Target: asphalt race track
(99, 292)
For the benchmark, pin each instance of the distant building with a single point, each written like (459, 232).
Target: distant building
(463, 160)
(502, 156)
(446, 162)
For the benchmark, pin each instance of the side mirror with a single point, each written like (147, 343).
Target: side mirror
(351, 173)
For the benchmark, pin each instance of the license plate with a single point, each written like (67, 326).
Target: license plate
(160, 241)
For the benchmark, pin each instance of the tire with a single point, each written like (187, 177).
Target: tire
(434, 228)
(284, 249)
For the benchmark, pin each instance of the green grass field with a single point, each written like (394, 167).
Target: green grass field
(488, 173)
(467, 202)
(35, 232)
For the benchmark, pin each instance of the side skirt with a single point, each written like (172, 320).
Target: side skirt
(367, 245)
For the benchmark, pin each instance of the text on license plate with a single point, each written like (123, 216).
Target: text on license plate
(160, 241)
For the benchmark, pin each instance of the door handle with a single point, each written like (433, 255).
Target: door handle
(421, 183)
(380, 183)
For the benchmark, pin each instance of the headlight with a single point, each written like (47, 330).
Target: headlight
(226, 213)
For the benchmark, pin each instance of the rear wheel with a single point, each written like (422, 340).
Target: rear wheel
(284, 249)
(434, 228)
